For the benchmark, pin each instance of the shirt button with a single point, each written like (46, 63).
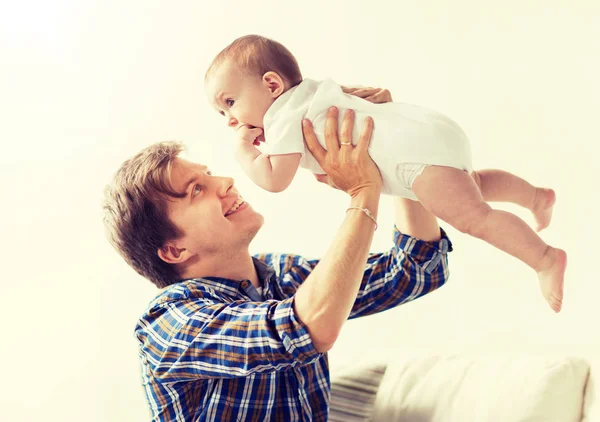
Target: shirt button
(245, 284)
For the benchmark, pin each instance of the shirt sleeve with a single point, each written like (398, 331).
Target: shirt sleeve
(411, 269)
(198, 338)
(283, 125)
(284, 136)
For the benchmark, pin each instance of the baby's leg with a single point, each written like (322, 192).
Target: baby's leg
(501, 186)
(453, 196)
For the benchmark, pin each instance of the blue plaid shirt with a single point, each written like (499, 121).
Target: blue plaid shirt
(213, 349)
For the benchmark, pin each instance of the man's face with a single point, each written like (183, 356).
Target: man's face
(243, 99)
(213, 217)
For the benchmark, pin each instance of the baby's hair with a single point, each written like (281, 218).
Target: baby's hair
(259, 55)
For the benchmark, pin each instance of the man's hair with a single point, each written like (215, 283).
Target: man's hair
(258, 55)
(135, 214)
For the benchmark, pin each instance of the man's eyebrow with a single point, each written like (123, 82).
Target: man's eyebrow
(193, 179)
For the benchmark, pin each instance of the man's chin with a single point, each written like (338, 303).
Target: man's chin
(260, 220)
(256, 226)
(244, 239)
(249, 227)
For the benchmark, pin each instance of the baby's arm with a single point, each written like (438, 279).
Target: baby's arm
(272, 173)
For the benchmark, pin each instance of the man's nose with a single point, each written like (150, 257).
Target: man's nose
(225, 185)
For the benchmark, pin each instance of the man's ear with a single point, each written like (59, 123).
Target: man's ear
(171, 254)
(274, 82)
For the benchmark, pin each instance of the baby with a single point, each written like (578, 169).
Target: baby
(256, 84)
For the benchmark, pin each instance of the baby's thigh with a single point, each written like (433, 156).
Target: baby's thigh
(450, 194)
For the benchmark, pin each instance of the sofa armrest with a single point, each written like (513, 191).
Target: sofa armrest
(482, 389)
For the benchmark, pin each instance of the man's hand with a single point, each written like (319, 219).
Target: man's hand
(245, 135)
(349, 167)
(374, 95)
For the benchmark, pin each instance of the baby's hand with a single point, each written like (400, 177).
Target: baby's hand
(246, 134)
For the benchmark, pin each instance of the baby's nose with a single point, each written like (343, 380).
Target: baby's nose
(232, 122)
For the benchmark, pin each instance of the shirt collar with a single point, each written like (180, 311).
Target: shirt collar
(230, 286)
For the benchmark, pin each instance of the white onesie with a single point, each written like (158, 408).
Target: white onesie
(404, 135)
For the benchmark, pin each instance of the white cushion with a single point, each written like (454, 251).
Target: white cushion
(591, 400)
(482, 389)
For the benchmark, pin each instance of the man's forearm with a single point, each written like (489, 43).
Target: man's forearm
(414, 220)
(325, 299)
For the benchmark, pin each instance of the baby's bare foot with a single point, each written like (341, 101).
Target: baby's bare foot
(543, 205)
(551, 277)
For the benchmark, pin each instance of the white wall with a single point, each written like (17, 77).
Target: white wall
(84, 85)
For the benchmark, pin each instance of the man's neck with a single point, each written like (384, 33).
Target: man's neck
(240, 267)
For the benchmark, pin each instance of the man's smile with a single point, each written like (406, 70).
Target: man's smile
(239, 203)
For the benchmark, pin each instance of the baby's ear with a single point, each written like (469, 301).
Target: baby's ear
(274, 83)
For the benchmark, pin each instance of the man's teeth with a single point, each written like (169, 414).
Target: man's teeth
(237, 204)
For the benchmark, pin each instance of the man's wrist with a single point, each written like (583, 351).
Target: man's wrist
(367, 212)
(367, 202)
(367, 198)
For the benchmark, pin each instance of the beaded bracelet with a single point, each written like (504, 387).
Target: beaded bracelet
(367, 212)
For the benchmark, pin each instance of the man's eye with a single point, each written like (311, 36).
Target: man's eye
(209, 173)
(196, 190)
(229, 102)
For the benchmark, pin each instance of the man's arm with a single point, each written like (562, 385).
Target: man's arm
(414, 220)
(188, 335)
(324, 301)
(411, 269)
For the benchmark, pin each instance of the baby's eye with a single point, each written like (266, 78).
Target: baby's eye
(229, 102)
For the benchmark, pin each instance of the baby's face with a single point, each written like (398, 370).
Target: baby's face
(241, 98)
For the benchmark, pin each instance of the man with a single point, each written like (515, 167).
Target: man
(237, 337)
